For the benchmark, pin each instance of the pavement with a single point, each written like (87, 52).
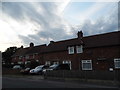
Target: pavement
(37, 81)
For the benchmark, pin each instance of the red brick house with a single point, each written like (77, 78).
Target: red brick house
(96, 52)
(24, 55)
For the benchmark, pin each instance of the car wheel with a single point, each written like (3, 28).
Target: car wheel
(39, 73)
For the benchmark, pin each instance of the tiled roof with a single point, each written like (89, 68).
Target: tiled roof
(107, 39)
(29, 50)
(20, 52)
(62, 45)
(36, 49)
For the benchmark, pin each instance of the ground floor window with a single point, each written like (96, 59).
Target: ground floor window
(56, 62)
(27, 62)
(117, 63)
(67, 62)
(86, 64)
(47, 63)
(20, 62)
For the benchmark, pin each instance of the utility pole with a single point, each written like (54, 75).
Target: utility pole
(0, 70)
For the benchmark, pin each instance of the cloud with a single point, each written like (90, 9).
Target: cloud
(45, 16)
(102, 24)
(41, 22)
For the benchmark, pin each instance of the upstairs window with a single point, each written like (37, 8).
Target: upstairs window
(71, 50)
(117, 62)
(86, 64)
(79, 49)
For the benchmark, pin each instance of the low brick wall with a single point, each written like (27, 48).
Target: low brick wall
(98, 75)
(9, 71)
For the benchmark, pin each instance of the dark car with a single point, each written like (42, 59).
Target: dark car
(57, 67)
(17, 67)
(25, 71)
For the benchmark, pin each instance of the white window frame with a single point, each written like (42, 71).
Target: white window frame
(69, 50)
(27, 56)
(20, 62)
(79, 49)
(56, 62)
(37, 60)
(117, 61)
(47, 63)
(26, 62)
(67, 62)
(20, 57)
(86, 61)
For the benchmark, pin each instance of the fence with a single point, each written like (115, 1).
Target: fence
(97, 75)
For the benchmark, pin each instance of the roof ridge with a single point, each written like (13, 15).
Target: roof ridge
(101, 34)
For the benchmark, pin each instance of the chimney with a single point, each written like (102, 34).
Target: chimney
(51, 42)
(31, 44)
(80, 34)
(21, 46)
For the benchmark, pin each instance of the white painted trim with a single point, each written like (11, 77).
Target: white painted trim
(86, 61)
(79, 47)
(68, 62)
(72, 49)
(116, 60)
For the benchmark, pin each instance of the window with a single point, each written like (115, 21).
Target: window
(117, 63)
(37, 60)
(86, 64)
(47, 63)
(56, 62)
(33, 56)
(20, 62)
(67, 62)
(27, 62)
(27, 57)
(20, 57)
(79, 49)
(71, 50)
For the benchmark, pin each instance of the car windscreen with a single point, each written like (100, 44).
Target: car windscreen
(27, 68)
(39, 67)
(53, 66)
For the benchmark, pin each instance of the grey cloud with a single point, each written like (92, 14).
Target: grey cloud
(15, 10)
(102, 25)
(49, 18)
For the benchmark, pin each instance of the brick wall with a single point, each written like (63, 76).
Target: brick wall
(94, 54)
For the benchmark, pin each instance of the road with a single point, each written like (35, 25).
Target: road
(14, 82)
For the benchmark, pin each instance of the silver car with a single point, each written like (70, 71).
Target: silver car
(37, 70)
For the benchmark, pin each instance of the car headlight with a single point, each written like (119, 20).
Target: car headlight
(31, 70)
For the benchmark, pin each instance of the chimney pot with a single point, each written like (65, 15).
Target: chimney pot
(80, 34)
(51, 42)
(22, 46)
(31, 44)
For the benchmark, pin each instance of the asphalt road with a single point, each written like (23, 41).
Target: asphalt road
(14, 82)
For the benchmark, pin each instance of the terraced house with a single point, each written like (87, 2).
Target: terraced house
(96, 52)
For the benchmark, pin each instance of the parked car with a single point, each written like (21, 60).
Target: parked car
(57, 67)
(25, 71)
(38, 69)
(17, 67)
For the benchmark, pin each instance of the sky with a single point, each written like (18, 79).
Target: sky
(41, 22)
